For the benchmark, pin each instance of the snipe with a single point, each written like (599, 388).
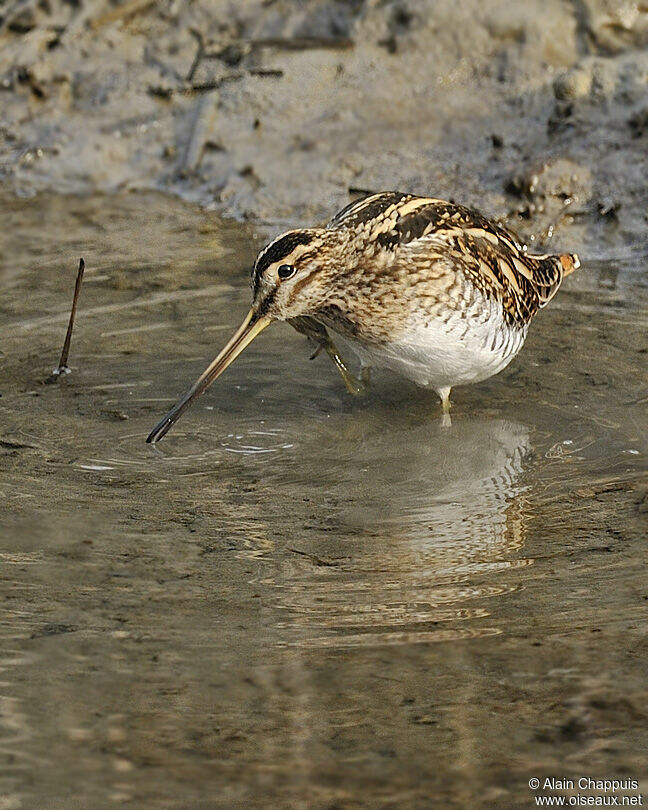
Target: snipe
(429, 289)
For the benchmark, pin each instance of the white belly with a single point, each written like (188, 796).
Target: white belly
(441, 355)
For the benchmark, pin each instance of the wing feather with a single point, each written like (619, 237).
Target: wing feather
(521, 282)
(489, 255)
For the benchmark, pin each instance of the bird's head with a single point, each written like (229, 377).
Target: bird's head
(291, 277)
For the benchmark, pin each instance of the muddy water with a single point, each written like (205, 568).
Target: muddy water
(298, 599)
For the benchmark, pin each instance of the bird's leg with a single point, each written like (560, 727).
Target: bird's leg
(355, 386)
(444, 394)
(318, 334)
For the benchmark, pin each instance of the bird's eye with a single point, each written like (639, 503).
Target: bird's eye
(286, 271)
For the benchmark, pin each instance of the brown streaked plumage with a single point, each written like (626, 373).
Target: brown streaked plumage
(430, 289)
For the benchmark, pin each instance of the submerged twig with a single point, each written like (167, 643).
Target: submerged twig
(63, 366)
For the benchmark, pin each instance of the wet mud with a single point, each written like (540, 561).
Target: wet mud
(300, 599)
(278, 112)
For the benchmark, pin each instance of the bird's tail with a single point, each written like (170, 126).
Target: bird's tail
(570, 262)
(549, 272)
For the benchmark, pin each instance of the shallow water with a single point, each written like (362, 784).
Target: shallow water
(299, 599)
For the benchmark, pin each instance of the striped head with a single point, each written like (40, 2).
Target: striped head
(292, 273)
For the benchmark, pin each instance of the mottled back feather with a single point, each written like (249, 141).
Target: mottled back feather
(489, 255)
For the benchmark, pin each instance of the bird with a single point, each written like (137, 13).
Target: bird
(432, 290)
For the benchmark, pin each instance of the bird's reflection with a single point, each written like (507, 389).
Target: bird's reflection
(421, 519)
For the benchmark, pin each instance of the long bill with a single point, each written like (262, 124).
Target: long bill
(245, 334)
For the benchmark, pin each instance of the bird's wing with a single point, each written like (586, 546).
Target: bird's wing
(488, 254)
(367, 208)
(393, 218)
